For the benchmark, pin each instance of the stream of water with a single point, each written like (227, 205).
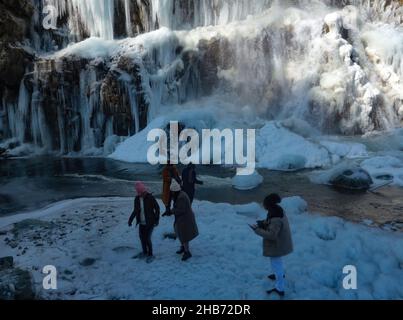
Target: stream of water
(30, 184)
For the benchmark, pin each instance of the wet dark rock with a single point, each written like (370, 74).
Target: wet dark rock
(87, 262)
(68, 272)
(6, 263)
(13, 244)
(386, 177)
(16, 284)
(353, 178)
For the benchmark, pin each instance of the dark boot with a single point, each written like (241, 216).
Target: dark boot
(186, 256)
(171, 236)
(181, 250)
(167, 212)
(141, 255)
(272, 277)
(280, 293)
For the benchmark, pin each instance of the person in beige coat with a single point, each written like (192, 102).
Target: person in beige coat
(185, 221)
(277, 239)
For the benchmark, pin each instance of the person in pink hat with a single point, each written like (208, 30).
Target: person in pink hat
(147, 214)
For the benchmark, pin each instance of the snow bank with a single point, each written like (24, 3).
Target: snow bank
(210, 113)
(276, 147)
(90, 48)
(94, 47)
(16, 149)
(135, 148)
(349, 150)
(286, 145)
(385, 169)
(227, 262)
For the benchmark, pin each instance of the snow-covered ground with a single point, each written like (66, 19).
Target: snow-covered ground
(89, 242)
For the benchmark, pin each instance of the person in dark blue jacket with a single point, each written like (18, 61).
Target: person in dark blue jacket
(189, 180)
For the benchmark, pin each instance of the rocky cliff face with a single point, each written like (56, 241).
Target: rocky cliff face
(15, 18)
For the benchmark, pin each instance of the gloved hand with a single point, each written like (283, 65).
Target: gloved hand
(261, 224)
(130, 224)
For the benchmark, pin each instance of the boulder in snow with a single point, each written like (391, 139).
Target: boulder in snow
(6, 263)
(3, 153)
(16, 284)
(354, 178)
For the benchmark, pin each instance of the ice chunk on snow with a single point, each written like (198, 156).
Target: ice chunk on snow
(280, 149)
(247, 182)
(136, 147)
(110, 144)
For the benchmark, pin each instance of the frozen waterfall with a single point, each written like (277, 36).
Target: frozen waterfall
(337, 65)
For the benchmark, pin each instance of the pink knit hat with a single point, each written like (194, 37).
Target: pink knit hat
(140, 188)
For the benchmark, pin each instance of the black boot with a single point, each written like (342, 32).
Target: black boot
(273, 276)
(181, 250)
(141, 255)
(170, 235)
(280, 293)
(167, 212)
(186, 256)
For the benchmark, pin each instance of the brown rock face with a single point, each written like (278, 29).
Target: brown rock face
(14, 23)
(140, 18)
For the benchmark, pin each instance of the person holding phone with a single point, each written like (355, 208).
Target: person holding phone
(277, 240)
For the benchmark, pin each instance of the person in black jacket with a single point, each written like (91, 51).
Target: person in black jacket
(189, 180)
(147, 214)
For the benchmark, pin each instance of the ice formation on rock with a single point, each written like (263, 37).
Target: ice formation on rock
(336, 65)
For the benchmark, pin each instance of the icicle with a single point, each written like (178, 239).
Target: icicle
(87, 107)
(129, 30)
(22, 112)
(131, 94)
(96, 15)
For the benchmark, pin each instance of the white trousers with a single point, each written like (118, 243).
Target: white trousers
(278, 270)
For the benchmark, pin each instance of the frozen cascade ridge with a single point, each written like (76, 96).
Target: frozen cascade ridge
(115, 67)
